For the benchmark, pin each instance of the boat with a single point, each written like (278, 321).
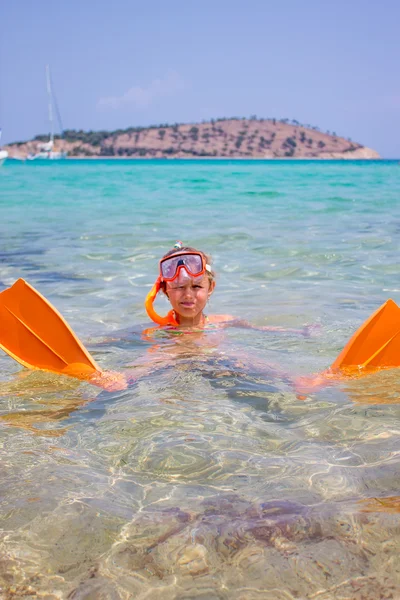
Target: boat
(3, 154)
(46, 150)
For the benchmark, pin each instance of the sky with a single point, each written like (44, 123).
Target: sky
(331, 64)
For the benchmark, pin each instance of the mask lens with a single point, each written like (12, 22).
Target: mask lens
(193, 264)
(169, 267)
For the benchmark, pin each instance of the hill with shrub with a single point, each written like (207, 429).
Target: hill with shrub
(219, 138)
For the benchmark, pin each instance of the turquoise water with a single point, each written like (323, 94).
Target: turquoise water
(208, 478)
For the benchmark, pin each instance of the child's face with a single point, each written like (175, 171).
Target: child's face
(188, 296)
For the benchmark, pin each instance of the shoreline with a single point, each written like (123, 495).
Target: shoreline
(203, 158)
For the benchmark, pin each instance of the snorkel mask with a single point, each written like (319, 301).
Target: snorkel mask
(181, 266)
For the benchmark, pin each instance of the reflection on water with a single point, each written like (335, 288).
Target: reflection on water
(378, 388)
(386, 505)
(35, 407)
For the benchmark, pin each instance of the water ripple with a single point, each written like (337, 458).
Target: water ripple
(208, 477)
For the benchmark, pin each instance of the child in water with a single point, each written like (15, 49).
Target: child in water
(185, 277)
(188, 281)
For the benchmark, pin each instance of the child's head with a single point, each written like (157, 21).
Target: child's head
(178, 249)
(187, 280)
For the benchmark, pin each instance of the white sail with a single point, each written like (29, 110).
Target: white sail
(50, 100)
(45, 149)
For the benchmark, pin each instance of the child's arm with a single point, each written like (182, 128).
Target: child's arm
(113, 381)
(230, 321)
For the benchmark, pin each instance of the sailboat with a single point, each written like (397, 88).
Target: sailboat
(3, 154)
(46, 150)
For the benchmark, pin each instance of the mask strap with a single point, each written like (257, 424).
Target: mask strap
(169, 319)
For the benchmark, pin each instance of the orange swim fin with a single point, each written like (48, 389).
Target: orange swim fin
(34, 333)
(376, 343)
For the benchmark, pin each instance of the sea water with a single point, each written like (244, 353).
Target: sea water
(209, 477)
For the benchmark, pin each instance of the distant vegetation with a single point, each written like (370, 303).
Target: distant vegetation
(95, 138)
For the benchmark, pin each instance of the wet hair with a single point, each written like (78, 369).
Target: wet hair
(178, 250)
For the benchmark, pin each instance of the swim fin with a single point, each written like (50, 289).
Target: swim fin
(375, 344)
(34, 333)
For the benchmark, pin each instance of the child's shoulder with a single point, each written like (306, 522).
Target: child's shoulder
(220, 318)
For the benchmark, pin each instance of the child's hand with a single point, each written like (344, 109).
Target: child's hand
(111, 381)
(308, 384)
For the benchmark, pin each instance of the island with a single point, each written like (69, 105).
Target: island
(234, 138)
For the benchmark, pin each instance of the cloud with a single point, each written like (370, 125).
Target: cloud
(142, 96)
